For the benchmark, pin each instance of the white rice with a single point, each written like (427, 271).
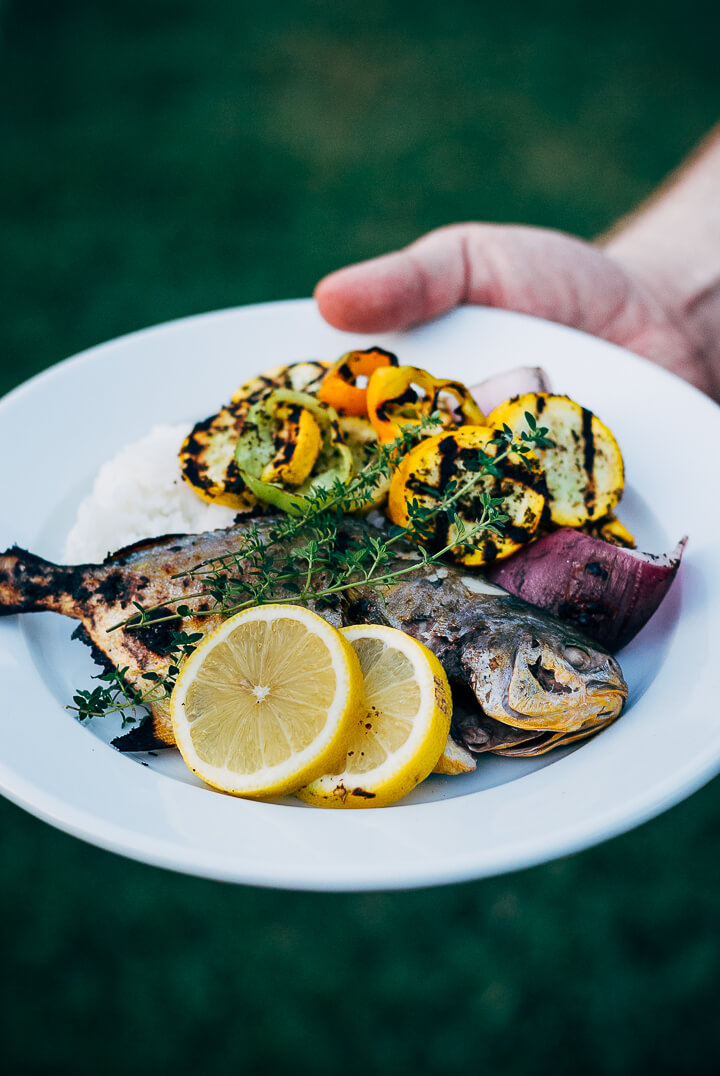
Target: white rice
(140, 494)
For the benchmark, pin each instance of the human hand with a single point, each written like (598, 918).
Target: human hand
(530, 270)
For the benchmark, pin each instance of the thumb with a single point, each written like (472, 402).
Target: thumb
(530, 270)
(398, 289)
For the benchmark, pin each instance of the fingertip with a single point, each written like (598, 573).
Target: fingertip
(368, 297)
(336, 300)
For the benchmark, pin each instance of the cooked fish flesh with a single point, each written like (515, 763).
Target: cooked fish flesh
(526, 682)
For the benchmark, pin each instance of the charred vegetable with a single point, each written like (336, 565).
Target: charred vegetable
(583, 465)
(610, 529)
(207, 456)
(322, 456)
(450, 461)
(207, 459)
(400, 396)
(608, 592)
(280, 443)
(341, 387)
(297, 376)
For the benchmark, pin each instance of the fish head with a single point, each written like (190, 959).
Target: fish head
(535, 672)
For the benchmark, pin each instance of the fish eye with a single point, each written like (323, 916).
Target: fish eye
(577, 657)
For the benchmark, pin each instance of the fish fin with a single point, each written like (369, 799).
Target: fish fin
(160, 541)
(29, 584)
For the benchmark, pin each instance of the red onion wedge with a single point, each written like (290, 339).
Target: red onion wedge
(501, 387)
(608, 592)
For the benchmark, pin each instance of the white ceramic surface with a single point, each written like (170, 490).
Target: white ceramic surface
(59, 427)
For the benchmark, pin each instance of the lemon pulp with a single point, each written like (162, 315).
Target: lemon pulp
(265, 700)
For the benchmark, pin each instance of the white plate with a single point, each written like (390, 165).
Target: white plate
(57, 429)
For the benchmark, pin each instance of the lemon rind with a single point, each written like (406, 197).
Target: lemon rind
(400, 773)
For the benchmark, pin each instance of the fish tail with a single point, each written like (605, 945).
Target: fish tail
(29, 584)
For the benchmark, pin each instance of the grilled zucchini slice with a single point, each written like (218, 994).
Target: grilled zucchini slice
(426, 471)
(207, 459)
(583, 466)
(298, 376)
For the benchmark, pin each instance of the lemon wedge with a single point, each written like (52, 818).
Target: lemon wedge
(401, 734)
(267, 701)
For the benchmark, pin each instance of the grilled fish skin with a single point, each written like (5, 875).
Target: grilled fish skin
(534, 681)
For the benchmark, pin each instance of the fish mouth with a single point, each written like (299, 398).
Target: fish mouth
(602, 687)
(613, 694)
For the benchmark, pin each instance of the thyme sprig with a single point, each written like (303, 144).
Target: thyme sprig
(314, 555)
(115, 694)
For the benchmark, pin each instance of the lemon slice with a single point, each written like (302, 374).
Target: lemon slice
(267, 701)
(401, 734)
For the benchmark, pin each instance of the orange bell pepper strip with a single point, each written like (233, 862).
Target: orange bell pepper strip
(393, 401)
(339, 387)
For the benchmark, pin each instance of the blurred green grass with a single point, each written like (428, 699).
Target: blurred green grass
(164, 158)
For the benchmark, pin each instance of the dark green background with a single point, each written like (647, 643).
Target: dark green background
(163, 158)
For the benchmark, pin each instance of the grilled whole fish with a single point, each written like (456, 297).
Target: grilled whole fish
(525, 681)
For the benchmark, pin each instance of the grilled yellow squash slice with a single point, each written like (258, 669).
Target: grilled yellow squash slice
(583, 466)
(298, 441)
(428, 468)
(611, 530)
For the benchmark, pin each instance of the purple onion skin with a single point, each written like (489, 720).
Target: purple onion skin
(501, 387)
(608, 592)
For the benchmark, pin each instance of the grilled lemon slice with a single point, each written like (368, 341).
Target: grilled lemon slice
(267, 701)
(400, 735)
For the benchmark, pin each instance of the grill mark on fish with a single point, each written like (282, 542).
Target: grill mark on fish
(158, 637)
(115, 587)
(99, 656)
